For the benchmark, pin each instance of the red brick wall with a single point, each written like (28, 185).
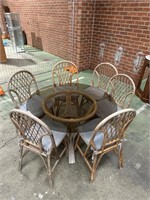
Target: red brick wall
(80, 32)
(49, 26)
(122, 23)
(3, 28)
(83, 33)
(45, 23)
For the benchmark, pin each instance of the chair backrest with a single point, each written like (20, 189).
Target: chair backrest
(102, 73)
(122, 89)
(21, 86)
(31, 129)
(113, 127)
(63, 73)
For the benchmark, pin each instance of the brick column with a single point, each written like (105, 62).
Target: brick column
(83, 32)
(2, 20)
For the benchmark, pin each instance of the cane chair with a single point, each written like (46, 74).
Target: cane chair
(63, 74)
(122, 89)
(37, 136)
(107, 136)
(100, 77)
(24, 92)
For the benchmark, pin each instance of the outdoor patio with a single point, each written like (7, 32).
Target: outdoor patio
(70, 181)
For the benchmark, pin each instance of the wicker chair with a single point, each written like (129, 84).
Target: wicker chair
(62, 75)
(122, 89)
(23, 90)
(36, 135)
(107, 136)
(100, 77)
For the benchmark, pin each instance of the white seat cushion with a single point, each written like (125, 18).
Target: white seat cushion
(47, 143)
(86, 132)
(59, 131)
(95, 92)
(46, 140)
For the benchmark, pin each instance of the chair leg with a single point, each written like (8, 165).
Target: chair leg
(76, 103)
(77, 142)
(49, 171)
(93, 172)
(21, 158)
(121, 157)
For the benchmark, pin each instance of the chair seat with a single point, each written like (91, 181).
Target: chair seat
(86, 132)
(34, 105)
(37, 137)
(98, 140)
(96, 93)
(59, 131)
(105, 107)
(54, 125)
(89, 125)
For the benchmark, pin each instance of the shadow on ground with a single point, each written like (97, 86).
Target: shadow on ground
(20, 62)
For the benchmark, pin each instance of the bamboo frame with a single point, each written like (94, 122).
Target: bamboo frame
(113, 127)
(31, 131)
(102, 73)
(68, 98)
(122, 89)
(20, 87)
(62, 75)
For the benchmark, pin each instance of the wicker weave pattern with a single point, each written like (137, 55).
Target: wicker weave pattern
(31, 131)
(102, 73)
(113, 127)
(20, 87)
(122, 89)
(61, 74)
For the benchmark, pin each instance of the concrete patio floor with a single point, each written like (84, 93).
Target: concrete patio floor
(71, 182)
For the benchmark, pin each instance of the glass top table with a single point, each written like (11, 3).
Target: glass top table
(71, 107)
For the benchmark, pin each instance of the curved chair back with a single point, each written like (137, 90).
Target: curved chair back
(63, 73)
(122, 89)
(107, 136)
(36, 136)
(21, 86)
(102, 73)
(113, 127)
(31, 130)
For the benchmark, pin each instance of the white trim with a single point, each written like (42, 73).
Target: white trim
(138, 111)
(78, 78)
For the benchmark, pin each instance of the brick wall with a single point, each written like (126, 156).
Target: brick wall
(3, 28)
(84, 32)
(75, 30)
(45, 23)
(60, 27)
(125, 24)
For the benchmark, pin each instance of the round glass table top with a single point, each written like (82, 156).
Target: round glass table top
(70, 106)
